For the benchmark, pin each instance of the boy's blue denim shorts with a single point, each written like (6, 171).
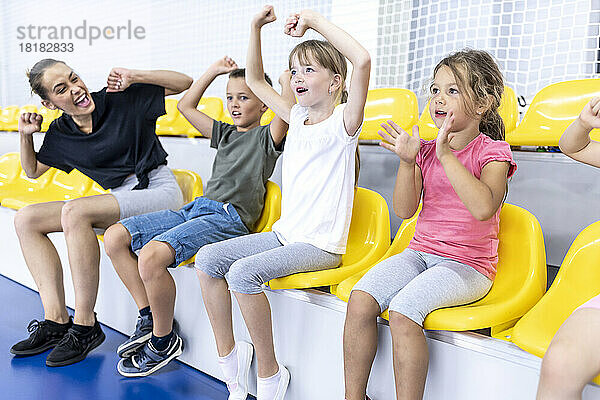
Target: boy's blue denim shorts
(197, 223)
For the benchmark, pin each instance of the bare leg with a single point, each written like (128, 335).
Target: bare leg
(117, 243)
(411, 357)
(360, 343)
(257, 316)
(154, 259)
(32, 224)
(78, 219)
(217, 301)
(573, 358)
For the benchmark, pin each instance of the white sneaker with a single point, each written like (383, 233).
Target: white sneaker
(238, 389)
(284, 381)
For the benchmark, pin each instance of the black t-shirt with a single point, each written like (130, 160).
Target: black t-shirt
(123, 140)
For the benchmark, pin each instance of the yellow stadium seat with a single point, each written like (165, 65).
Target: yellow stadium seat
(271, 209)
(520, 278)
(25, 185)
(10, 168)
(576, 282)
(96, 189)
(552, 110)
(399, 105)
(49, 116)
(368, 240)
(211, 106)
(266, 118)
(165, 123)
(270, 213)
(190, 184)
(9, 118)
(62, 187)
(508, 111)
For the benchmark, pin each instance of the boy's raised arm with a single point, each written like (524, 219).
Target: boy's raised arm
(188, 103)
(576, 142)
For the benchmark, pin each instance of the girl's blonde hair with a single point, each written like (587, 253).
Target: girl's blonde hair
(480, 82)
(327, 56)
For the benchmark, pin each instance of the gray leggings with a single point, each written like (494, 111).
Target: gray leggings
(414, 284)
(251, 260)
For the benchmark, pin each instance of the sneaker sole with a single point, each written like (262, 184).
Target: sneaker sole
(158, 366)
(37, 350)
(80, 357)
(126, 350)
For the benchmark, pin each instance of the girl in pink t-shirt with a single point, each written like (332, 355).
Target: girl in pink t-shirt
(573, 358)
(461, 178)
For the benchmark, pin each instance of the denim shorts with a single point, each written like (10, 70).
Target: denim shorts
(197, 223)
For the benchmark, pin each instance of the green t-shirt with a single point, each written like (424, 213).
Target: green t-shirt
(242, 166)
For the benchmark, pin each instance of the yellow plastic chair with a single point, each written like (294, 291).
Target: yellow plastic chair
(9, 118)
(368, 240)
(24, 185)
(62, 187)
(576, 282)
(190, 184)
(165, 123)
(96, 189)
(270, 213)
(399, 105)
(520, 276)
(10, 168)
(49, 116)
(211, 106)
(266, 118)
(508, 111)
(552, 110)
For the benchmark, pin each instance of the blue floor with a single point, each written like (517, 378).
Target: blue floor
(95, 377)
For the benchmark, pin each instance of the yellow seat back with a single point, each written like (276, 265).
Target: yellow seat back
(368, 239)
(211, 106)
(9, 118)
(10, 168)
(49, 116)
(552, 110)
(190, 184)
(520, 276)
(399, 105)
(576, 282)
(74, 184)
(271, 209)
(96, 189)
(28, 108)
(164, 123)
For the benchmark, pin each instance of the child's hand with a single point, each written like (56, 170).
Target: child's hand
(265, 16)
(442, 142)
(297, 24)
(30, 123)
(223, 66)
(397, 140)
(119, 79)
(590, 116)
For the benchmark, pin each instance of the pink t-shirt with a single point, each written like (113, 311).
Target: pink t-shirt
(445, 227)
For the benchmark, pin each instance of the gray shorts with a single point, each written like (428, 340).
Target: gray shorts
(246, 262)
(162, 193)
(414, 283)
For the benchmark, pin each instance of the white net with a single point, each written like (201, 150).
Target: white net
(536, 42)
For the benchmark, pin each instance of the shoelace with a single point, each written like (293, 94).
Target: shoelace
(70, 340)
(141, 356)
(35, 325)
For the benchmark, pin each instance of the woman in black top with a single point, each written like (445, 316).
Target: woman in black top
(109, 136)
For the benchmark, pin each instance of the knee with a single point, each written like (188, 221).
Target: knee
(207, 262)
(401, 325)
(116, 239)
(150, 261)
(25, 220)
(362, 305)
(242, 280)
(71, 215)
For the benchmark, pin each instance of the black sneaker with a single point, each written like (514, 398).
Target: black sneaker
(143, 333)
(75, 346)
(43, 336)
